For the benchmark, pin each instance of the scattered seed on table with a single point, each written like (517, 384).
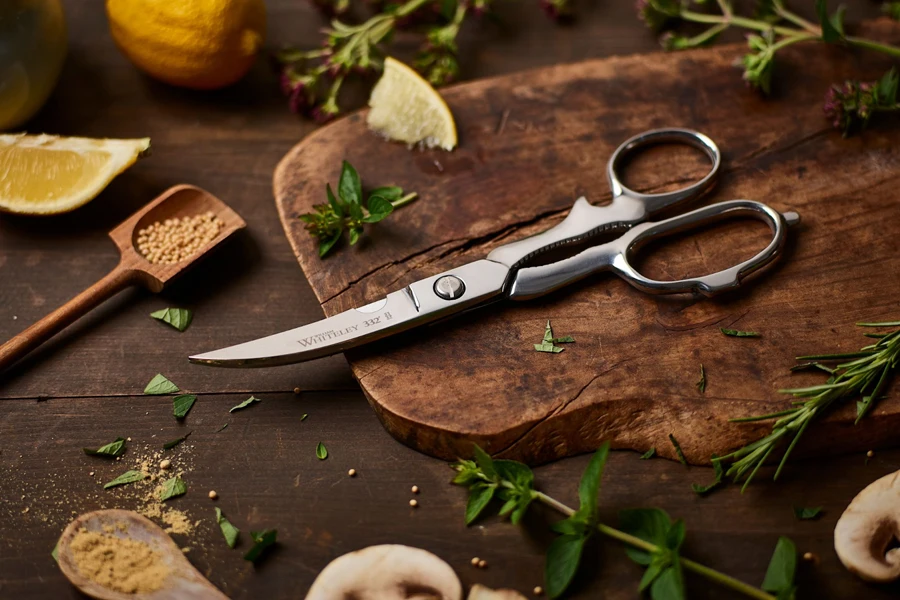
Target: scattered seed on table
(482, 564)
(538, 590)
(810, 557)
(414, 503)
(352, 472)
(475, 561)
(213, 495)
(414, 489)
(296, 390)
(165, 464)
(870, 453)
(91, 474)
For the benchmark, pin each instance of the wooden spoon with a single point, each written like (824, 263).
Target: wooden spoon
(184, 582)
(133, 268)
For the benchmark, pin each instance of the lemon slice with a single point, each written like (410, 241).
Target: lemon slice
(406, 108)
(48, 174)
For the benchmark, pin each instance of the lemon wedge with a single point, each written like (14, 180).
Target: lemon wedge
(48, 174)
(406, 108)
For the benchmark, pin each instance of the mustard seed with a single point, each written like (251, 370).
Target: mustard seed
(414, 503)
(174, 240)
(415, 489)
(213, 495)
(475, 561)
(538, 590)
(482, 564)
(352, 472)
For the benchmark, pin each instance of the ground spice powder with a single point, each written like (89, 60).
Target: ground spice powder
(120, 564)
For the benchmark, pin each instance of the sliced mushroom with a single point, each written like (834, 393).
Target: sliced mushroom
(868, 527)
(386, 572)
(479, 592)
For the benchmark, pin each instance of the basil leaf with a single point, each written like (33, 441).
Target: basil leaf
(480, 496)
(832, 27)
(326, 244)
(179, 318)
(589, 488)
(649, 524)
(887, 86)
(379, 209)
(332, 201)
(678, 451)
(112, 449)
(806, 514)
(670, 584)
(563, 557)
(356, 212)
(654, 570)
(321, 451)
(182, 404)
(173, 443)
(228, 530)
(388, 192)
(355, 232)
(782, 567)
(159, 385)
(126, 477)
(517, 472)
(736, 333)
(245, 404)
(485, 463)
(349, 186)
(649, 453)
(171, 488)
(261, 540)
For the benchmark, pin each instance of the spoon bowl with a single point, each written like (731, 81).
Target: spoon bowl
(183, 582)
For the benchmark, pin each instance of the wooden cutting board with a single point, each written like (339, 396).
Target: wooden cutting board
(532, 142)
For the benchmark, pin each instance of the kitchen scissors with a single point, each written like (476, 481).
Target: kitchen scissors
(505, 272)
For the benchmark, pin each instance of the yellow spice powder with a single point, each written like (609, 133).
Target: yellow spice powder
(120, 564)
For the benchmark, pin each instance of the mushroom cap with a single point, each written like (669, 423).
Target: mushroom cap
(479, 592)
(867, 527)
(386, 572)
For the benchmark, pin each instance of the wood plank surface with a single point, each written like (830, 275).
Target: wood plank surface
(83, 388)
(630, 377)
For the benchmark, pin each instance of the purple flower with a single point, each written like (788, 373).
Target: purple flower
(327, 111)
(850, 106)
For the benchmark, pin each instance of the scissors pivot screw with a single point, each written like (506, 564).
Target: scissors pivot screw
(449, 287)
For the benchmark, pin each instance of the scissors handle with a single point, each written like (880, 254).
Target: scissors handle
(627, 208)
(531, 282)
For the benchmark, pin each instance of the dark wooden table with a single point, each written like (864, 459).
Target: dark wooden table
(84, 388)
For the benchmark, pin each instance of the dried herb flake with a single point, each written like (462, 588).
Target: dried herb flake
(111, 450)
(126, 477)
(736, 333)
(173, 443)
(171, 488)
(244, 404)
(182, 404)
(649, 453)
(228, 530)
(678, 451)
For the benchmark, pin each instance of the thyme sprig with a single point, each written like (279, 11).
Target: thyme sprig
(864, 374)
(774, 28)
(652, 539)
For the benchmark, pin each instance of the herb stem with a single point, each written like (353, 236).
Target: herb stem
(796, 19)
(631, 540)
(873, 45)
(730, 19)
(405, 199)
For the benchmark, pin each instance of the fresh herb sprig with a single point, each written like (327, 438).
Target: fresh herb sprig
(345, 211)
(652, 539)
(864, 375)
(774, 28)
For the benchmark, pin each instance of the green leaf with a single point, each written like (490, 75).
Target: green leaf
(349, 186)
(887, 88)
(831, 29)
(355, 232)
(171, 488)
(516, 472)
(782, 567)
(485, 463)
(261, 540)
(244, 404)
(222, 427)
(649, 453)
(328, 243)
(719, 473)
(806, 514)
(173, 443)
(670, 584)
(736, 333)
(548, 332)
(701, 383)
(55, 552)
(303, 417)
(321, 451)
(179, 318)
(563, 557)
(159, 385)
(563, 340)
(228, 530)
(126, 477)
(589, 488)
(678, 452)
(182, 404)
(379, 208)
(388, 192)
(654, 570)
(548, 347)
(333, 202)
(675, 535)
(111, 450)
(480, 496)
(522, 504)
(574, 525)
(649, 524)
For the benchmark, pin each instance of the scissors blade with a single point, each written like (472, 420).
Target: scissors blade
(416, 304)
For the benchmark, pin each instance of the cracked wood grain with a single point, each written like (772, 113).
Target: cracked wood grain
(477, 378)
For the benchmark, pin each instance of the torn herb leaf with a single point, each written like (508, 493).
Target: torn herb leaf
(126, 477)
(548, 347)
(779, 577)
(173, 443)
(719, 478)
(179, 318)
(54, 554)
(480, 496)
(548, 343)
(111, 450)
(222, 427)
(678, 451)
(701, 384)
(321, 451)
(303, 417)
(228, 530)
(649, 453)
(736, 333)
(245, 404)
(159, 385)
(261, 540)
(182, 404)
(171, 488)
(807, 514)
(563, 340)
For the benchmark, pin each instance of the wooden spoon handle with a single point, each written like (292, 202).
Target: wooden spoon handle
(20, 345)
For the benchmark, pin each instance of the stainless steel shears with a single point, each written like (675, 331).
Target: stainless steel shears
(506, 274)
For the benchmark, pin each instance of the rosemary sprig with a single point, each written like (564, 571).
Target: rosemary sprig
(864, 374)
(650, 536)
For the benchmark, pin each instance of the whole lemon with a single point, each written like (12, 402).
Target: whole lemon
(199, 44)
